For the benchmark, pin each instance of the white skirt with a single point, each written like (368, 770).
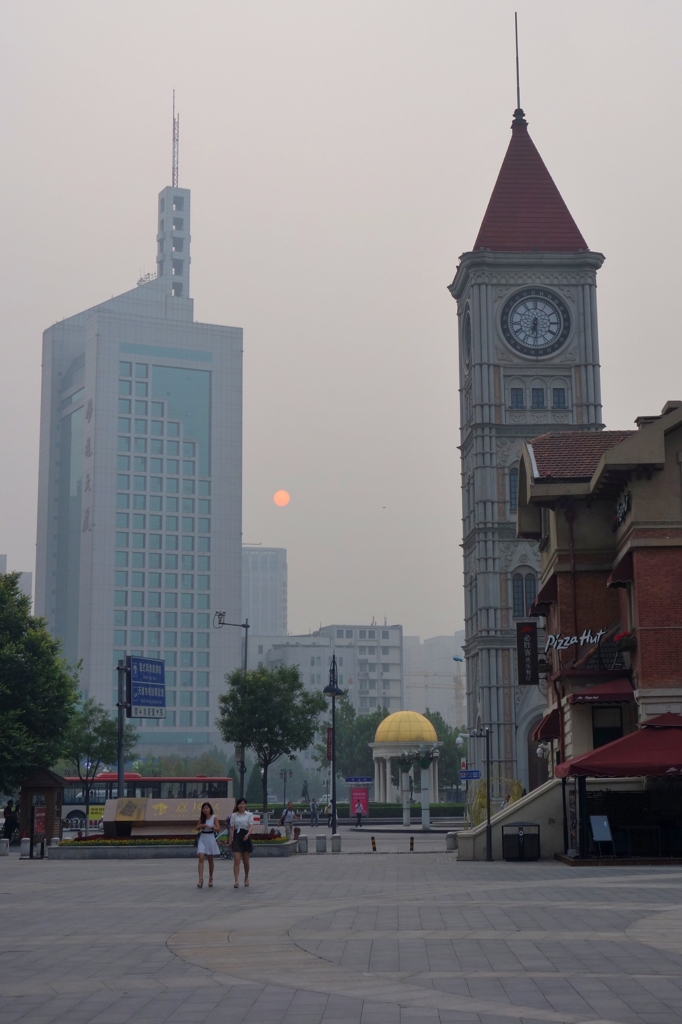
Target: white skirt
(208, 845)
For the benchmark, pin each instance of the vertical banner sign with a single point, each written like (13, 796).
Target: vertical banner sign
(329, 742)
(39, 820)
(359, 795)
(146, 684)
(527, 653)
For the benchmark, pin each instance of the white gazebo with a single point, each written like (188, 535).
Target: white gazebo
(397, 733)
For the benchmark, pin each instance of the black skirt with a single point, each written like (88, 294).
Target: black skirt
(240, 844)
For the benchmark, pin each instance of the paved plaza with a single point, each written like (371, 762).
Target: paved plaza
(362, 938)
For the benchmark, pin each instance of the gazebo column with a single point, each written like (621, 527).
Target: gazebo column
(377, 779)
(389, 782)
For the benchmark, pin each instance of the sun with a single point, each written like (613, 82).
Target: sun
(281, 498)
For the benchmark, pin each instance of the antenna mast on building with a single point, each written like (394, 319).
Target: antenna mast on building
(176, 145)
(518, 113)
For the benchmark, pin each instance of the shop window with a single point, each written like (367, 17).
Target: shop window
(607, 725)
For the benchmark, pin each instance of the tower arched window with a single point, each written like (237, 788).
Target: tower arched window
(513, 489)
(524, 589)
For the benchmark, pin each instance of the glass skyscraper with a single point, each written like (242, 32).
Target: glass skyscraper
(139, 519)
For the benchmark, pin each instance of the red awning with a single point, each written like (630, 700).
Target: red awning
(547, 595)
(616, 691)
(549, 728)
(655, 749)
(623, 572)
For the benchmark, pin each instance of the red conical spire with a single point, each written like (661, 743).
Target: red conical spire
(526, 212)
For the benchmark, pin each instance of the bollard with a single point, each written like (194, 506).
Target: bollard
(4, 847)
(411, 844)
(451, 841)
(25, 851)
(302, 844)
(336, 844)
(55, 841)
(321, 844)
(374, 844)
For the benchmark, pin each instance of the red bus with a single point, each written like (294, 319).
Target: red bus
(105, 787)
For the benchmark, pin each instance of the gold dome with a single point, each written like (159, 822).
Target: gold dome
(405, 727)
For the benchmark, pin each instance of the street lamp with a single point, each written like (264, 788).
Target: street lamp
(219, 622)
(283, 775)
(332, 690)
(481, 734)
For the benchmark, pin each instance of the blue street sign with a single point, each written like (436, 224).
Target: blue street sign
(147, 695)
(359, 778)
(469, 773)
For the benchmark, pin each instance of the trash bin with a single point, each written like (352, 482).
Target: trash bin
(521, 841)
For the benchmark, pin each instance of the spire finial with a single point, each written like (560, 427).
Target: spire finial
(519, 117)
(176, 145)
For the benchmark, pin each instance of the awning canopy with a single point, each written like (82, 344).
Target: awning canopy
(549, 728)
(655, 749)
(547, 595)
(623, 572)
(615, 691)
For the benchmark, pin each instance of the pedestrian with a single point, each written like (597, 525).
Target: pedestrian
(241, 827)
(328, 812)
(305, 797)
(287, 819)
(9, 820)
(359, 812)
(314, 813)
(207, 826)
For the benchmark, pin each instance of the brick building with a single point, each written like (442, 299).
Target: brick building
(606, 509)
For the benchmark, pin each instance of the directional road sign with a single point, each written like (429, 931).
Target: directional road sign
(470, 773)
(359, 778)
(147, 690)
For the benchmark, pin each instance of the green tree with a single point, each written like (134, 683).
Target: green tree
(91, 741)
(271, 712)
(38, 691)
(354, 733)
(449, 756)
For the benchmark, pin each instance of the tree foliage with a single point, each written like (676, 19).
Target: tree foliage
(38, 690)
(270, 711)
(91, 742)
(354, 733)
(450, 755)
(211, 762)
(252, 791)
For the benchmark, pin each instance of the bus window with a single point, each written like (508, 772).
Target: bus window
(217, 789)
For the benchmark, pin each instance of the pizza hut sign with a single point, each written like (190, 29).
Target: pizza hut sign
(557, 642)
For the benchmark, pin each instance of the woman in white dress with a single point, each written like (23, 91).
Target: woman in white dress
(241, 827)
(207, 826)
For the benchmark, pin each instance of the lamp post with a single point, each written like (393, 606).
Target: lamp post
(283, 775)
(481, 734)
(460, 743)
(219, 622)
(332, 690)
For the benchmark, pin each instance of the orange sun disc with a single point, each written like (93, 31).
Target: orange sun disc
(282, 498)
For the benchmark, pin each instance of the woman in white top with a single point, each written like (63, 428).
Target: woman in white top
(241, 827)
(207, 826)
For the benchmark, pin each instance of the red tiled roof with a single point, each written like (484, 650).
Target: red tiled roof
(568, 455)
(526, 211)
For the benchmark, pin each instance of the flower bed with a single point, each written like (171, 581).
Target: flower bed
(122, 841)
(268, 838)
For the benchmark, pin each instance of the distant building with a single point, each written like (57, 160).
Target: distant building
(433, 679)
(369, 660)
(25, 580)
(139, 504)
(264, 589)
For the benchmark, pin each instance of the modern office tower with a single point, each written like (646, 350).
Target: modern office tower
(434, 681)
(25, 580)
(139, 515)
(529, 363)
(264, 590)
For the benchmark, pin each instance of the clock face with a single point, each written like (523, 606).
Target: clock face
(535, 322)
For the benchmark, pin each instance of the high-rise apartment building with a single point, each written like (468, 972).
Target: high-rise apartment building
(378, 651)
(434, 681)
(139, 516)
(264, 590)
(25, 579)
(529, 363)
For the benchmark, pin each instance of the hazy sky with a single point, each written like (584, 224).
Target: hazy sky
(340, 156)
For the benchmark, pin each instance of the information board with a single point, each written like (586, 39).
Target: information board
(527, 653)
(146, 686)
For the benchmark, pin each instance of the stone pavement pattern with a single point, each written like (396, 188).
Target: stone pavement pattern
(362, 939)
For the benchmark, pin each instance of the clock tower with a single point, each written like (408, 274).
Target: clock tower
(528, 364)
